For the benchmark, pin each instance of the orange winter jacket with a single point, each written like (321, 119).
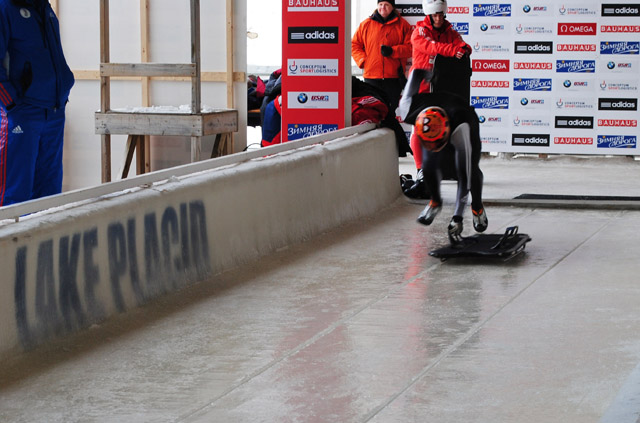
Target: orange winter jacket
(428, 42)
(372, 33)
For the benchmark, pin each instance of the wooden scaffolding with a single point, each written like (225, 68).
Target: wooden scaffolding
(139, 125)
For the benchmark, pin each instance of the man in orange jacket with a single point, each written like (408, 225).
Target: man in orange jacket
(381, 46)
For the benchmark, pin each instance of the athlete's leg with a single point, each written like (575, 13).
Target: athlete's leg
(19, 138)
(48, 170)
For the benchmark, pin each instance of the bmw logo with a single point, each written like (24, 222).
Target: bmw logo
(482, 119)
(526, 8)
(524, 101)
(302, 98)
(611, 65)
(484, 27)
(566, 83)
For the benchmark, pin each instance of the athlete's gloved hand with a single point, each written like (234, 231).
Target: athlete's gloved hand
(386, 50)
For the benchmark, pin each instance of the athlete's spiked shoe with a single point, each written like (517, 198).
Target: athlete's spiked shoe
(480, 221)
(429, 213)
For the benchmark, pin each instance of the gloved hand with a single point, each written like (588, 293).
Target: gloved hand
(386, 50)
(460, 53)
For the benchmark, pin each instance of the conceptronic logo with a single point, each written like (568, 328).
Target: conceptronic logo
(577, 28)
(313, 6)
(619, 47)
(576, 47)
(533, 30)
(410, 9)
(313, 35)
(490, 65)
(618, 104)
(531, 122)
(576, 10)
(532, 84)
(617, 141)
(619, 85)
(622, 123)
(574, 122)
(312, 100)
(533, 47)
(620, 10)
(490, 102)
(490, 84)
(491, 48)
(533, 65)
(530, 140)
(461, 27)
(573, 103)
(312, 67)
(296, 131)
(576, 66)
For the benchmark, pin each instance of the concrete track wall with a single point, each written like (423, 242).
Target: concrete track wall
(66, 269)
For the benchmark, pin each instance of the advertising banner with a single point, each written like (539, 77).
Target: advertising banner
(314, 85)
(551, 77)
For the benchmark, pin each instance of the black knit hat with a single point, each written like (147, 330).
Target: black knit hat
(393, 2)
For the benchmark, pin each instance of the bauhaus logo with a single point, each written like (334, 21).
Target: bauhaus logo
(620, 28)
(573, 140)
(624, 123)
(530, 140)
(313, 6)
(576, 47)
(618, 104)
(313, 35)
(533, 47)
(574, 122)
(410, 9)
(576, 28)
(489, 84)
(457, 10)
(620, 9)
(533, 65)
(490, 65)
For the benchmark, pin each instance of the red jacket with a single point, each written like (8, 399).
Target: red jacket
(428, 42)
(371, 35)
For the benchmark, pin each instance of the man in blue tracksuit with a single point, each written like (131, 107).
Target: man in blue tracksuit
(35, 82)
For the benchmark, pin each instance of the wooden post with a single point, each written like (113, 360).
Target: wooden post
(105, 88)
(230, 67)
(196, 100)
(144, 56)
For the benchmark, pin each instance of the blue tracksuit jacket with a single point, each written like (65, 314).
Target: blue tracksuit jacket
(35, 82)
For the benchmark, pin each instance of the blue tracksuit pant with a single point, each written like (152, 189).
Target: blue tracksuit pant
(31, 140)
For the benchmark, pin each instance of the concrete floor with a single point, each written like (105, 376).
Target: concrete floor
(362, 325)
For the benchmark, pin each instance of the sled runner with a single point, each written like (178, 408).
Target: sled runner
(505, 246)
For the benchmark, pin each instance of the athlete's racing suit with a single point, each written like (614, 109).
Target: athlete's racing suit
(465, 139)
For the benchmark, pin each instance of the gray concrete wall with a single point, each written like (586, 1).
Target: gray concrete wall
(66, 269)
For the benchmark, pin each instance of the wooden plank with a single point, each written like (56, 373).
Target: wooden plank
(230, 55)
(144, 49)
(148, 69)
(91, 75)
(196, 83)
(106, 157)
(105, 87)
(167, 123)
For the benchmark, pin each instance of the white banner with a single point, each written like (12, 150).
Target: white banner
(551, 77)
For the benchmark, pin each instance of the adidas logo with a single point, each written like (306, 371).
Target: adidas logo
(17, 130)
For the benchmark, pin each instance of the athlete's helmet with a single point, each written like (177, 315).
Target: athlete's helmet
(432, 7)
(433, 129)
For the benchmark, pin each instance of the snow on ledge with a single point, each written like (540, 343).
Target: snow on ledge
(185, 108)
